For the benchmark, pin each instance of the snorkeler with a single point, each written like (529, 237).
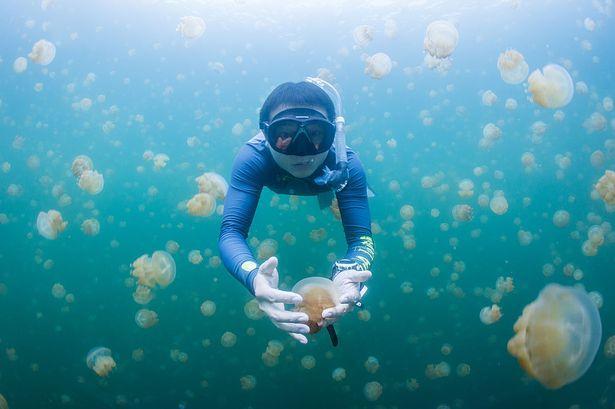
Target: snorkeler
(301, 150)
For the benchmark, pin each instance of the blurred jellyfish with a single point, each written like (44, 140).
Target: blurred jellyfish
(90, 227)
(99, 360)
(378, 65)
(440, 370)
(338, 374)
(58, 291)
(491, 133)
(466, 188)
(308, 362)
(609, 347)
(595, 123)
(511, 104)
(91, 181)
(406, 212)
(20, 65)
(160, 160)
(561, 218)
(390, 28)
(462, 212)
(441, 38)
(212, 183)
(551, 88)
(80, 164)
(208, 308)
(463, 370)
(50, 224)
(512, 66)
(43, 52)
(606, 187)
(228, 339)
(195, 257)
(498, 204)
(504, 285)
(267, 248)
(489, 315)
(318, 294)
(202, 205)
(146, 318)
(363, 35)
(248, 382)
(252, 310)
(557, 336)
(372, 391)
(489, 98)
(191, 27)
(371, 364)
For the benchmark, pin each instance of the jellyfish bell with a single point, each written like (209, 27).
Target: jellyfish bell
(512, 66)
(552, 87)
(441, 38)
(80, 164)
(50, 224)
(43, 52)
(191, 27)
(99, 360)
(318, 294)
(91, 181)
(557, 336)
(164, 266)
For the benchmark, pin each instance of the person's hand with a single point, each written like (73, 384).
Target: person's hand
(271, 301)
(347, 284)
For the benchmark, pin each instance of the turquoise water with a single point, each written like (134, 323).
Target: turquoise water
(159, 89)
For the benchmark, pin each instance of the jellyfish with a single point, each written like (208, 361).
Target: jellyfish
(191, 27)
(441, 38)
(595, 123)
(609, 347)
(318, 294)
(228, 339)
(99, 360)
(146, 318)
(551, 88)
(308, 362)
(20, 65)
(371, 364)
(50, 224)
(43, 52)
(489, 98)
(363, 35)
(160, 160)
(91, 181)
(164, 266)
(195, 257)
(466, 188)
(90, 227)
(498, 205)
(208, 308)
(3, 403)
(372, 391)
(462, 212)
(512, 66)
(212, 183)
(80, 164)
(378, 65)
(557, 336)
(406, 212)
(252, 310)
(248, 382)
(267, 248)
(489, 315)
(202, 205)
(606, 187)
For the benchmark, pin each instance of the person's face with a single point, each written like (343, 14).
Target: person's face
(298, 166)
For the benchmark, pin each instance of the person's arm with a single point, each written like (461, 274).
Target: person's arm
(354, 209)
(239, 208)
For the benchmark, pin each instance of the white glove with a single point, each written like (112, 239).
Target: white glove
(347, 284)
(271, 301)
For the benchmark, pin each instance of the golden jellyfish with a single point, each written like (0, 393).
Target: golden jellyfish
(441, 38)
(606, 187)
(208, 308)
(90, 227)
(308, 362)
(267, 248)
(552, 87)
(557, 336)
(202, 205)
(164, 265)
(195, 257)
(146, 318)
(91, 181)
(191, 27)
(378, 65)
(609, 347)
(463, 212)
(318, 294)
(212, 183)
(43, 52)
(142, 295)
(228, 339)
(372, 391)
(248, 382)
(252, 310)
(406, 212)
(80, 164)
(160, 160)
(50, 224)
(498, 204)
(338, 374)
(512, 66)
(489, 315)
(363, 35)
(561, 218)
(20, 65)
(371, 364)
(99, 360)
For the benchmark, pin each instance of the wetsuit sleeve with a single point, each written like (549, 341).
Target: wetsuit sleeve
(239, 207)
(354, 209)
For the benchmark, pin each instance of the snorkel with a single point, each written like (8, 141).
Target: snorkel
(338, 178)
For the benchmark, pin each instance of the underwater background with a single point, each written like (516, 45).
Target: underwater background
(124, 81)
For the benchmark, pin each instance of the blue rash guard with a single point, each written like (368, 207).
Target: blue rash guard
(254, 168)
